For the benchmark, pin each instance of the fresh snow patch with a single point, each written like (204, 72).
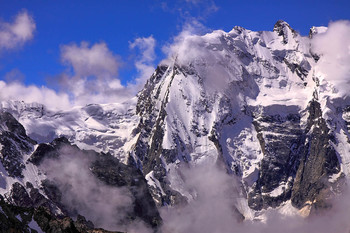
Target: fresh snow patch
(94, 125)
(277, 191)
(34, 225)
(19, 217)
(152, 181)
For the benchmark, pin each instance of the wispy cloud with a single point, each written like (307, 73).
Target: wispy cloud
(181, 43)
(106, 206)
(190, 9)
(212, 202)
(92, 74)
(15, 34)
(211, 209)
(334, 48)
(95, 60)
(14, 75)
(145, 60)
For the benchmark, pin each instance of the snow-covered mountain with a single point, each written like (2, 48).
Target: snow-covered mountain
(254, 104)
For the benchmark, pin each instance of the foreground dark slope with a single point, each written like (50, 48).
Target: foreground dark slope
(42, 201)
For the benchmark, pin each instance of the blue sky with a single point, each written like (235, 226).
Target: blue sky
(119, 23)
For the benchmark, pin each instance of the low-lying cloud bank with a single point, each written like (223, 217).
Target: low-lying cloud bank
(82, 193)
(212, 209)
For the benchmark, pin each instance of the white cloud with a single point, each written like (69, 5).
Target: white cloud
(215, 193)
(145, 61)
(96, 60)
(334, 48)
(91, 77)
(30, 94)
(193, 48)
(94, 74)
(18, 32)
(185, 41)
(211, 209)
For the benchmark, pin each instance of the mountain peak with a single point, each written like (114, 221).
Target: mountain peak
(282, 28)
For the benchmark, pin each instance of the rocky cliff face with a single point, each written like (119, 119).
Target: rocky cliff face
(253, 103)
(14, 144)
(245, 98)
(318, 163)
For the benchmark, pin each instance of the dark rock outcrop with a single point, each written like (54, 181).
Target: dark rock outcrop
(19, 196)
(17, 219)
(48, 150)
(281, 141)
(282, 28)
(302, 160)
(109, 170)
(45, 204)
(318, 163)
(14, 144)
(106, 168)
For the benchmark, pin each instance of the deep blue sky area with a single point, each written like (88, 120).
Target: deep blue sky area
(119, 22)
